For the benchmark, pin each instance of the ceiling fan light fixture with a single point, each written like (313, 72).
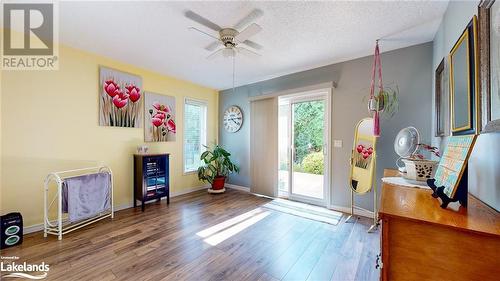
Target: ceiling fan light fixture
(228, 52)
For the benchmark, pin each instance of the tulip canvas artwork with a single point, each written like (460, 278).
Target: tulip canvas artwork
(159, 118)
(120, 99)
(363, 155)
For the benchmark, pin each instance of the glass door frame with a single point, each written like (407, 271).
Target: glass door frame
(316, 95)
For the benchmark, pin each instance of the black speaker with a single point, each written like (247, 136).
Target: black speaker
(11, 226)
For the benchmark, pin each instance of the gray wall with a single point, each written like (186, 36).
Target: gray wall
(484, 164)
(410, 68)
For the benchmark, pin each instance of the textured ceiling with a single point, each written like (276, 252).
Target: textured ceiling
(296, 35)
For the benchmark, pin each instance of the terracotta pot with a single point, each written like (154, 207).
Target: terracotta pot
(218, 183)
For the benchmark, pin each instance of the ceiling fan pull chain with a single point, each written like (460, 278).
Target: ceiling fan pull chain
(234, 68)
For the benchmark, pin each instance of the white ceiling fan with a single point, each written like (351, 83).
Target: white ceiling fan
(230, 38)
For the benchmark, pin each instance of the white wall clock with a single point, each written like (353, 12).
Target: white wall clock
(233, 119)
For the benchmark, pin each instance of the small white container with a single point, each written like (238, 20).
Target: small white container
(419, 169)
(142, 149)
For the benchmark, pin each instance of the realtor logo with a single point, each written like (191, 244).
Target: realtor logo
(29, 37)
(10, 267)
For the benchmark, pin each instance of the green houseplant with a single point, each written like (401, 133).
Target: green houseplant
(217, 166)
(387, 101)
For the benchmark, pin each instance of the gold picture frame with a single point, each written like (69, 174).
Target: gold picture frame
(464, 82)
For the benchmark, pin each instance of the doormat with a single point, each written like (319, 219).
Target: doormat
(305, 211)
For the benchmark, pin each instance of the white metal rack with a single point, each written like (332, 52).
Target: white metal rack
(60, 228)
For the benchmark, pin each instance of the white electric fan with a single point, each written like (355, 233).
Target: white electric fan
(406, 144)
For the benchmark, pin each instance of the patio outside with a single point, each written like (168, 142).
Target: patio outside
(305, 184)
(307, 137)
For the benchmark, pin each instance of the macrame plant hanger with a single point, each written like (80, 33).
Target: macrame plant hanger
(375, 105)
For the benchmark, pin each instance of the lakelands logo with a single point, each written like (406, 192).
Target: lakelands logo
(23, 270)
(30, 37)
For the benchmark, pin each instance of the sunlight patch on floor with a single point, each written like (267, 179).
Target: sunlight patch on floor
(226, 229)
(305, 210)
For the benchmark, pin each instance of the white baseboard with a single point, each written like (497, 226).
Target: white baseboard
(357, 211)
(33, 228)
(39, 227)
(238, 187)
(189, 190)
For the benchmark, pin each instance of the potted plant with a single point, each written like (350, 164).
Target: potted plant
(217, 166)
(386, 101)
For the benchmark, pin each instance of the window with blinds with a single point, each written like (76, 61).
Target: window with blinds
(195, 133)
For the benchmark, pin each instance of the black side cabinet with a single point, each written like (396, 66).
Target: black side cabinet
(151, 178)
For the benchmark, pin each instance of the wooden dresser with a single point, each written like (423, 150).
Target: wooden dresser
(422, 241)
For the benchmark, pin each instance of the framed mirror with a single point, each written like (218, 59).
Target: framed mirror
(463, 82)
(489, 57)
(442, 101)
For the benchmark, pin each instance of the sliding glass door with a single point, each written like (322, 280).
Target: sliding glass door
(303, 152)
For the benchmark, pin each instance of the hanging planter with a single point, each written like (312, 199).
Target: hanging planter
(388, 102)
(385, 101)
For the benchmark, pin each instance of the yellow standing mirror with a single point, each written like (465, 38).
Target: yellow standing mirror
(363, 157)
(363, 165)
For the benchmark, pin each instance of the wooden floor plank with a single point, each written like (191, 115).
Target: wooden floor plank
(282, 265)
(305, 264)
(351, 253)
(162, 244)
(325, 267)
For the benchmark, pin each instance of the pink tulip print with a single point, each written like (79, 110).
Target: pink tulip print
(362, 156)
(120, 99)
(160, 118)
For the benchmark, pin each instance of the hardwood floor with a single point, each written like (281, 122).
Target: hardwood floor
(207, 237)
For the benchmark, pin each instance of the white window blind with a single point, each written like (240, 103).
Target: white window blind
(195, 133)
(264, 143)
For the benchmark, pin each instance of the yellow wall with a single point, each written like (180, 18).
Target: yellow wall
(49, 122)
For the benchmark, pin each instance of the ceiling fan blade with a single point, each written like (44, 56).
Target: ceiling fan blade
(251, 17)
(252, 44)
(248, 32)
(203, 32)
(201, 20)
(215, 54)
(247, 52)
(213, 45)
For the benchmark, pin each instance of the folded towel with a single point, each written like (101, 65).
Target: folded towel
(86, 196)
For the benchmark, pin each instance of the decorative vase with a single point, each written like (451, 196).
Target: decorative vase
(419, 169)
(142, 149)
(218, 183)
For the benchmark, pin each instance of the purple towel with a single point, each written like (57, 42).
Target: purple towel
(86, 196)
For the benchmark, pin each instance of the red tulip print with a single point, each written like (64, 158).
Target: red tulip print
(362, 157)
(360, 148)
(133, 92)
(157, 121)
(162, 121)
(111, 88)
(120, 99)
(160, 115)
(171, 125)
